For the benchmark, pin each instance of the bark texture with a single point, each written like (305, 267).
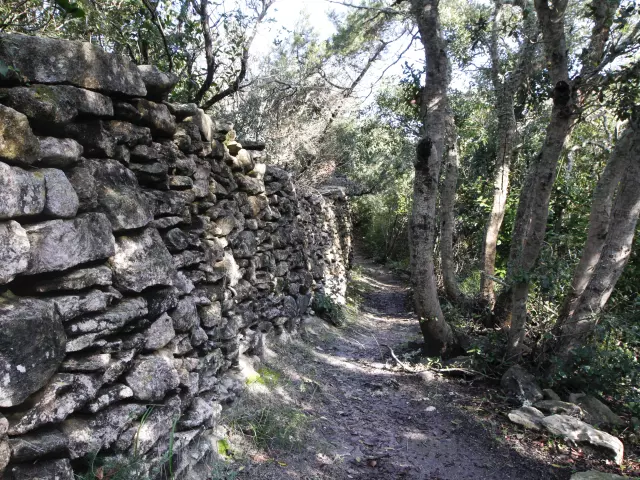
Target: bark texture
(505, 88)
(599, 219)
(533, 208)
(615, 246)
(439, 338)
(447, 217)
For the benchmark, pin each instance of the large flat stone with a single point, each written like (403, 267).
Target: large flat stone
(46, 470)
(14, 250)
(65, 394)
(112, 320)
(49, 105)
(577, 431)
(50, 60)
(18, 144)
(32, 346)
(119, 196)
(85, 238)
(59, 152)
(87, 435)
(42, 444)
(141, 261)
(22, 193)
(75, 280)
(156, 116)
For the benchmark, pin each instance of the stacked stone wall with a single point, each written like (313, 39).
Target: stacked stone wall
(142, 251)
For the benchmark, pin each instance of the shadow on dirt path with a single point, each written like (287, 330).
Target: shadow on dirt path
(367, 419)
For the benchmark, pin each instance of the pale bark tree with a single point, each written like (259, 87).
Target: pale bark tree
(447, 215)
(505, 87)
(438, 335)
(608, 247)
(599, 220)
(614, 253)
(533, 207)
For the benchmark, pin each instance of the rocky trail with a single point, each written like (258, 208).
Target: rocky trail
(366, 418)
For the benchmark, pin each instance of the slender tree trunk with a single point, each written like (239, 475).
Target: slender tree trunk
(599, 219)
(533, 207)
(505, 146)
(504, 91)
(447, 217)
(438, 336)
(613, 258)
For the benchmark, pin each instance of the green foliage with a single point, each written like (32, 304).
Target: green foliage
(326, 308)
(608, 365)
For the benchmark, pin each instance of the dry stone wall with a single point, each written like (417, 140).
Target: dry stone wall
(142, 251)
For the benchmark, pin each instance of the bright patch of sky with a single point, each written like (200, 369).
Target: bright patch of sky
(286, 13)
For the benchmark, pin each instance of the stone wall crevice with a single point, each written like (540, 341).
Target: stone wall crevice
(143, 250)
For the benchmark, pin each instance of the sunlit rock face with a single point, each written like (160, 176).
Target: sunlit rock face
(143, 250)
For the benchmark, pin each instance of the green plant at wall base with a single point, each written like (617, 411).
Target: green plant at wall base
(327, 309)
(270, 427)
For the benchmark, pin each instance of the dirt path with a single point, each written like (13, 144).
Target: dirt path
(364, 418)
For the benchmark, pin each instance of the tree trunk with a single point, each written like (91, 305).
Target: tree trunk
(505, 145)
(438, 336)
(447, 217)
(504, 91)
(599, 220)
(533, 207)
(614, 257)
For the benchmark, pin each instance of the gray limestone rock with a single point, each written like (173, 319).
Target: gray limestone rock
(22, 193)
(45, 443)
(550, 394)
(211, 315)
(594, 475)
(53, 105)
(579, 432)
(75, 280)
(99, 432)
(521, 385)
(14, 250)
(94, 136)
(155, 116)
(161, 300)
(107, 396)
(18, 144)
(69, 307)
(160, 332)
(84, 184)
(126, 133)
(46, 470)
(141, 260)
(199, 413)
(86, 363)
(59, 152)
(185, 315)
(61, 199)
(112, 320)
(244, 245)
(596, 412)
(65, 394)
(204, 123)
(182, 110)
(159, 84)
(151, 377)
(176, 240)
(119, 195)
(528, 417)
(5, 454)
(55, 61)
(86, 238)
(157, 425)
(557, 406)
(32, 346)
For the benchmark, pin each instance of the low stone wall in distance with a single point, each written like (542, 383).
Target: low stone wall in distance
(142, 250)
